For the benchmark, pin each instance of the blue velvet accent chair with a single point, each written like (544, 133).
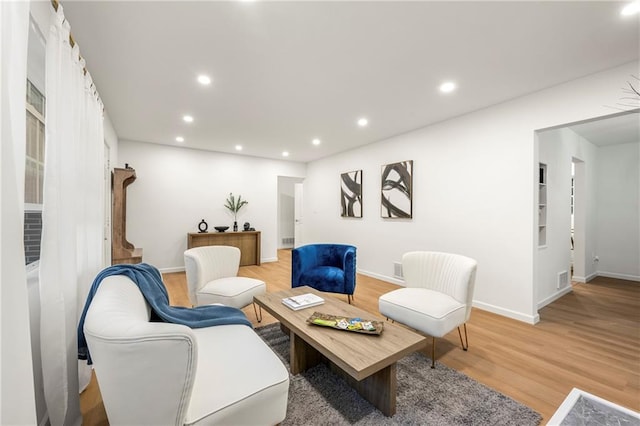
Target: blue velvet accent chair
(325, 267)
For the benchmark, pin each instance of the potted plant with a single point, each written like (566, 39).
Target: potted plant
(234, 206)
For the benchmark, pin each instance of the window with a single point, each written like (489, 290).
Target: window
(34, 173)
(34, 167)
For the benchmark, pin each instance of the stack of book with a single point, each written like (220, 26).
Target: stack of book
(302, 301)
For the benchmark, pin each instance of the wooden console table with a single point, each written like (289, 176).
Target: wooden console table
(248, 242)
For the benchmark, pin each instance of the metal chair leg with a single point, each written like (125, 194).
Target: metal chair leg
(465, 344)
(433, 352)
(259, 318)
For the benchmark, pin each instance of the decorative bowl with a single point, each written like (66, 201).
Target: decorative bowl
(220, 228)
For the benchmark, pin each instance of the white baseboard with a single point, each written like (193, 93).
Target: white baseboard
(382, 277)
(607, 275)
(555, 296)
(181, 268)
(619, 276)
(590, 277)
(579, 279)
(170, 270)
(529, 319)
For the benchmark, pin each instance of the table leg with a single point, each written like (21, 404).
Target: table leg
(302, 355)
(379, 389)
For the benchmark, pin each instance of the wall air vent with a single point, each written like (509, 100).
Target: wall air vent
(288, 241)
(563, 279)
(397, 270)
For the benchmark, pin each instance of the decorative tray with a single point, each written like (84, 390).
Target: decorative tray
(357, 325)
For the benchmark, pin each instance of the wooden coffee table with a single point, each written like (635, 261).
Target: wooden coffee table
(367, 362)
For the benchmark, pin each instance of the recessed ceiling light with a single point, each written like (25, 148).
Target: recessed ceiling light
(205, 80)
(179, 139)
(285, 153)
(188, 118)
(631, 9)
(363, 122)
(238, 147)
(316, 141)
(448, 87)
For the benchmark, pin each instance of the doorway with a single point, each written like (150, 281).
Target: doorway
(592, 198)
(289, 211)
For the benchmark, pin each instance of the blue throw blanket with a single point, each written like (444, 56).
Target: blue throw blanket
(149, 281)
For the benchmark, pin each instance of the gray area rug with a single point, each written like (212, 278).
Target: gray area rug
(440, 396)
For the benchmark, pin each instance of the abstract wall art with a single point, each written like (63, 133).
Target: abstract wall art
(397, 189)
(351, 194)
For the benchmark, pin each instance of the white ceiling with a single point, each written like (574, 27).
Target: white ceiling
(288, 72)
(619, 129)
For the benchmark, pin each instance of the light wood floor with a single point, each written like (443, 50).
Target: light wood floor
(588, 339)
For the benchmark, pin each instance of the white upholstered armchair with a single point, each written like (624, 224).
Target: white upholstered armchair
(437, 297)
(212, 278)
(158, 373)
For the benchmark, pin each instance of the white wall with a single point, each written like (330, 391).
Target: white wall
(177, 187)
(618, 219)
(475, 177)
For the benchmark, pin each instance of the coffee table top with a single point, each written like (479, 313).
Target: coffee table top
(360, 355)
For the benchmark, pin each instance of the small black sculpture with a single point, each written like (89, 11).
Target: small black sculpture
(202, 226)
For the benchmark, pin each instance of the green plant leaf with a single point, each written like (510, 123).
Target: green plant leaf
(233, 205)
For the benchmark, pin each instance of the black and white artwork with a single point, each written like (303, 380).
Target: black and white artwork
(351, 194)
(397, 187)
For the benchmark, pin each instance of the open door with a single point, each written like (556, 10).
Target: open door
(298, 214)
(579, 222)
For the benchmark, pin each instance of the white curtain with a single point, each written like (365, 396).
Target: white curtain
(72, 217)
(17, 400)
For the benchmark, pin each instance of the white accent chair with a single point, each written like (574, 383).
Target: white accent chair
(157, 373)
(212, 278)
(437, 297)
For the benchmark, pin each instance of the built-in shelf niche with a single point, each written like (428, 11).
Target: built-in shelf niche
(542, 205)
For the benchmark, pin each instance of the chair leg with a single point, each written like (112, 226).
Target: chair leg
(259, 318)
(349, 297)
(433, 352)
(465, 344)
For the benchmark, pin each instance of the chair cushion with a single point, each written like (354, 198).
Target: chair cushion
(255, 382)
(324, 278)
(232, 291)
(428, 311)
